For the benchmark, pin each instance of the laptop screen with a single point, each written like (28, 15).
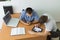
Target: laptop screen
(7, 18)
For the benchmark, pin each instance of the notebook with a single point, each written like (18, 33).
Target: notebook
(18, 31)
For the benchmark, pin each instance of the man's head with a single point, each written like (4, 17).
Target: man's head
(29, 10)
(43, 19)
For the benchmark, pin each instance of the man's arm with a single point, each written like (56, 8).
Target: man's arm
(45, 33)
(24, 22)
(22, 17)
(36, 17)
(35, 21)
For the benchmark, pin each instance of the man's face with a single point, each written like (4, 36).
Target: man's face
(29, 14)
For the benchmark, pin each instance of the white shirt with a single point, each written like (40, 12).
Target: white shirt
(51, 24)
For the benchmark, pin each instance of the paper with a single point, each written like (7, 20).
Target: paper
(17, 31)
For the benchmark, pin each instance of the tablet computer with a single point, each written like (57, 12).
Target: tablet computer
(37, 29)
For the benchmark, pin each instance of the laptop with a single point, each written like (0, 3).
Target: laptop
(13, 22)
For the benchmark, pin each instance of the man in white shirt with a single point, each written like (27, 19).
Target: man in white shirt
(50, 24)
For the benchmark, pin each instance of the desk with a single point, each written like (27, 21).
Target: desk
(5, 32)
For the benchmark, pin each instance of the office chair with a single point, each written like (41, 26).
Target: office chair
(57, 34)
(54, 35)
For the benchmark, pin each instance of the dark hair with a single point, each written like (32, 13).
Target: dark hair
(29, 10)
(43, 19)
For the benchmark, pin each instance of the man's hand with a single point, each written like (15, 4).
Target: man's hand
(35, 21)
(29, 23)
(26, 23)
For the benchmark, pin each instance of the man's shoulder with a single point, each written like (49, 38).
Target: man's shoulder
(35, 13)
(23, 12)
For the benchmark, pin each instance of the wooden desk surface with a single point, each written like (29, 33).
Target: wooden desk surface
(5, 32)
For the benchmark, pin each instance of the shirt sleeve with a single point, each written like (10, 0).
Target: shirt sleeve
(36, 17)
(22, 15)
(55, 26)
(49, 26)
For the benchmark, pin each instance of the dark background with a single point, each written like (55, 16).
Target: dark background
(4, 0)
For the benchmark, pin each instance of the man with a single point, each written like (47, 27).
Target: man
(50, 25)
(29, 16)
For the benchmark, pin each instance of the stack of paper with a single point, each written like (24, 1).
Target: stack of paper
(17, 31)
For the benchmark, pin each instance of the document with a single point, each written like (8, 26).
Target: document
(18, 31)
